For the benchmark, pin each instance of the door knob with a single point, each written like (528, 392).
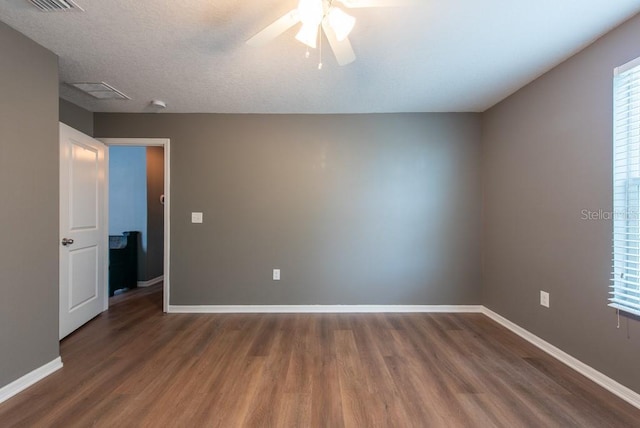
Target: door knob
(67, 241)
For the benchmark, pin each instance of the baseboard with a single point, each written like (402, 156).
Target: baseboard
(151, 282)
(589, 372)
(606, 382)
(320, 309)
(29, 379)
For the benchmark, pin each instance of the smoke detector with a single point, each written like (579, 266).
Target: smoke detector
(159, 104)
(56, 5)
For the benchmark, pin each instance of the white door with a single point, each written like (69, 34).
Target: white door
(83, 245)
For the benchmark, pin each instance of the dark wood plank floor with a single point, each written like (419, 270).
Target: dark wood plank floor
(135, 366)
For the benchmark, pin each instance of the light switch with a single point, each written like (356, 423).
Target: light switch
(544, 298)
(196, 217)
(276, 274)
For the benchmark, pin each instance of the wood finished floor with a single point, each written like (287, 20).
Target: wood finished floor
(135, 366)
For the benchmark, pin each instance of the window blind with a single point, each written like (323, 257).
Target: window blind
(625, 288)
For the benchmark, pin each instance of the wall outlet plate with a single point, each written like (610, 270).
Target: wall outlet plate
(196, 217)
(544, 299)
(276, 274)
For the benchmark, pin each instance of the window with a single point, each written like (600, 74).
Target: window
(625, 294)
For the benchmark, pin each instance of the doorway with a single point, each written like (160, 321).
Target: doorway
(141, 177)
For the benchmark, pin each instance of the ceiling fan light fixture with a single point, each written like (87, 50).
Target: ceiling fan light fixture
(320, 18)
(310, 11)
(341, 22)
(308, 35)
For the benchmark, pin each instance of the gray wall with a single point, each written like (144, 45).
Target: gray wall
(76, 117)
(547, 154)
(29, 207)
(155, 213)
(355, 209)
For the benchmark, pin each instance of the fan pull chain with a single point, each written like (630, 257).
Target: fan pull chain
(320, 47)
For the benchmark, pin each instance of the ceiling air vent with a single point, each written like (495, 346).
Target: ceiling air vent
(56, 5)
(100, 90)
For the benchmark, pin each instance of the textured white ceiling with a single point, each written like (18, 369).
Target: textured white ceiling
(440, 56)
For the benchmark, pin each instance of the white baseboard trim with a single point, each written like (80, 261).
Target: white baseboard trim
(29, 379)
(151, 282)
(604, 381)
(589, 372)
(320, 309)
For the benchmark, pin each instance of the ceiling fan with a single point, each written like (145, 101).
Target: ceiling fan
(319, 16)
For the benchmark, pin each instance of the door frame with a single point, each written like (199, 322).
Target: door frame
(149, 142)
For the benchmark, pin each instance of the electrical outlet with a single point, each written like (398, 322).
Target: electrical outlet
(196, 217)
(276, 274)
(544, 299)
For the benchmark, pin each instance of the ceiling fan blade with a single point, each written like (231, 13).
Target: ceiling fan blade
(341, 49)
(379, 3)
(274, 30)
